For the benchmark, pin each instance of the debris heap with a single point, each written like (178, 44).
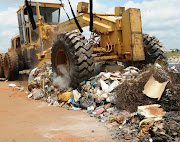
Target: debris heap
(123, 100)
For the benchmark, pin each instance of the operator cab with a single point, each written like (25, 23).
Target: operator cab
(41, 14)
(49, 15)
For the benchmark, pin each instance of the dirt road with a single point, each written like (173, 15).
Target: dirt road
(27, 120)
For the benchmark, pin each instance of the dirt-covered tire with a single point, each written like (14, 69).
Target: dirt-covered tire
(153, 49)
(73, 50)
(11, 66)
(2, 64)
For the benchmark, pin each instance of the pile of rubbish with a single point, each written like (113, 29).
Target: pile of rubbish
(140, 105)
(147, 128)
(175, 59)
(174, 62)
(44, 84)
(16, 87)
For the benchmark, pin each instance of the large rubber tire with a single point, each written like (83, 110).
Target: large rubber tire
(78, 53)
(11, 66)
(153, 49)
(2, 65)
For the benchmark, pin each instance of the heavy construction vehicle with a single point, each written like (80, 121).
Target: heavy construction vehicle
(43, 38)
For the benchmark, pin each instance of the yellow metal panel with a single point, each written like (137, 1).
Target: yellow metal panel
(126, 34)
(103, 58)
(82, 7)
(135, 19)
(99, 25)
(102, 24)
(138, 50)
(50, 5)
(43, 4)
(103, 14)
(108, 19)
(40, 63)
(119, 11)
(136, 33)
(132, 34)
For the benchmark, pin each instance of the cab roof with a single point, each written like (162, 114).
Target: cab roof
(42, 4)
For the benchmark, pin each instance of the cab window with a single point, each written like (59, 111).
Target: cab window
(50, 15)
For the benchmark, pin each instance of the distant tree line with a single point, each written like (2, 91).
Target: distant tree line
(175, 50)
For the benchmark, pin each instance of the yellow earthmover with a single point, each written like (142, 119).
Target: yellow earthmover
(42, 37)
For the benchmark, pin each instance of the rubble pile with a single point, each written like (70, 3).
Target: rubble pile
(121, 100)
(41, 85)
(138, 128)
(175, 59)
(170, 100)
(131, 91)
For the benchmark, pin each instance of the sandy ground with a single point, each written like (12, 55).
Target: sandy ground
(26, 120)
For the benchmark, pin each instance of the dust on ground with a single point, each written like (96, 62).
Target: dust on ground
(23, 119)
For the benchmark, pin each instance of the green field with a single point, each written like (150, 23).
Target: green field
(173, 54)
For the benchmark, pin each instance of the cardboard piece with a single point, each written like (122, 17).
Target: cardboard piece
(151, 111)
(153, 88)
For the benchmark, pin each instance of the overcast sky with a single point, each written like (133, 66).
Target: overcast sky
(160, 18)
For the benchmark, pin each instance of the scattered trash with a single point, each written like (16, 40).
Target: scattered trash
(31, 77)
(30, 95)
(87, 101)
(76, 95)
(12, 85)
(151, 111)
(104, 86)
(65, 96)
(75, 108)
(99, 110)
(90, 109)
(37, 94)
(20, 88)
(2, 79)
(56, 104)
(153, 88)
(149, 120)
(128, 101)
(117, 119)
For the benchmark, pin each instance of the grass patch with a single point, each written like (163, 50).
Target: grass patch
(173, 54)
